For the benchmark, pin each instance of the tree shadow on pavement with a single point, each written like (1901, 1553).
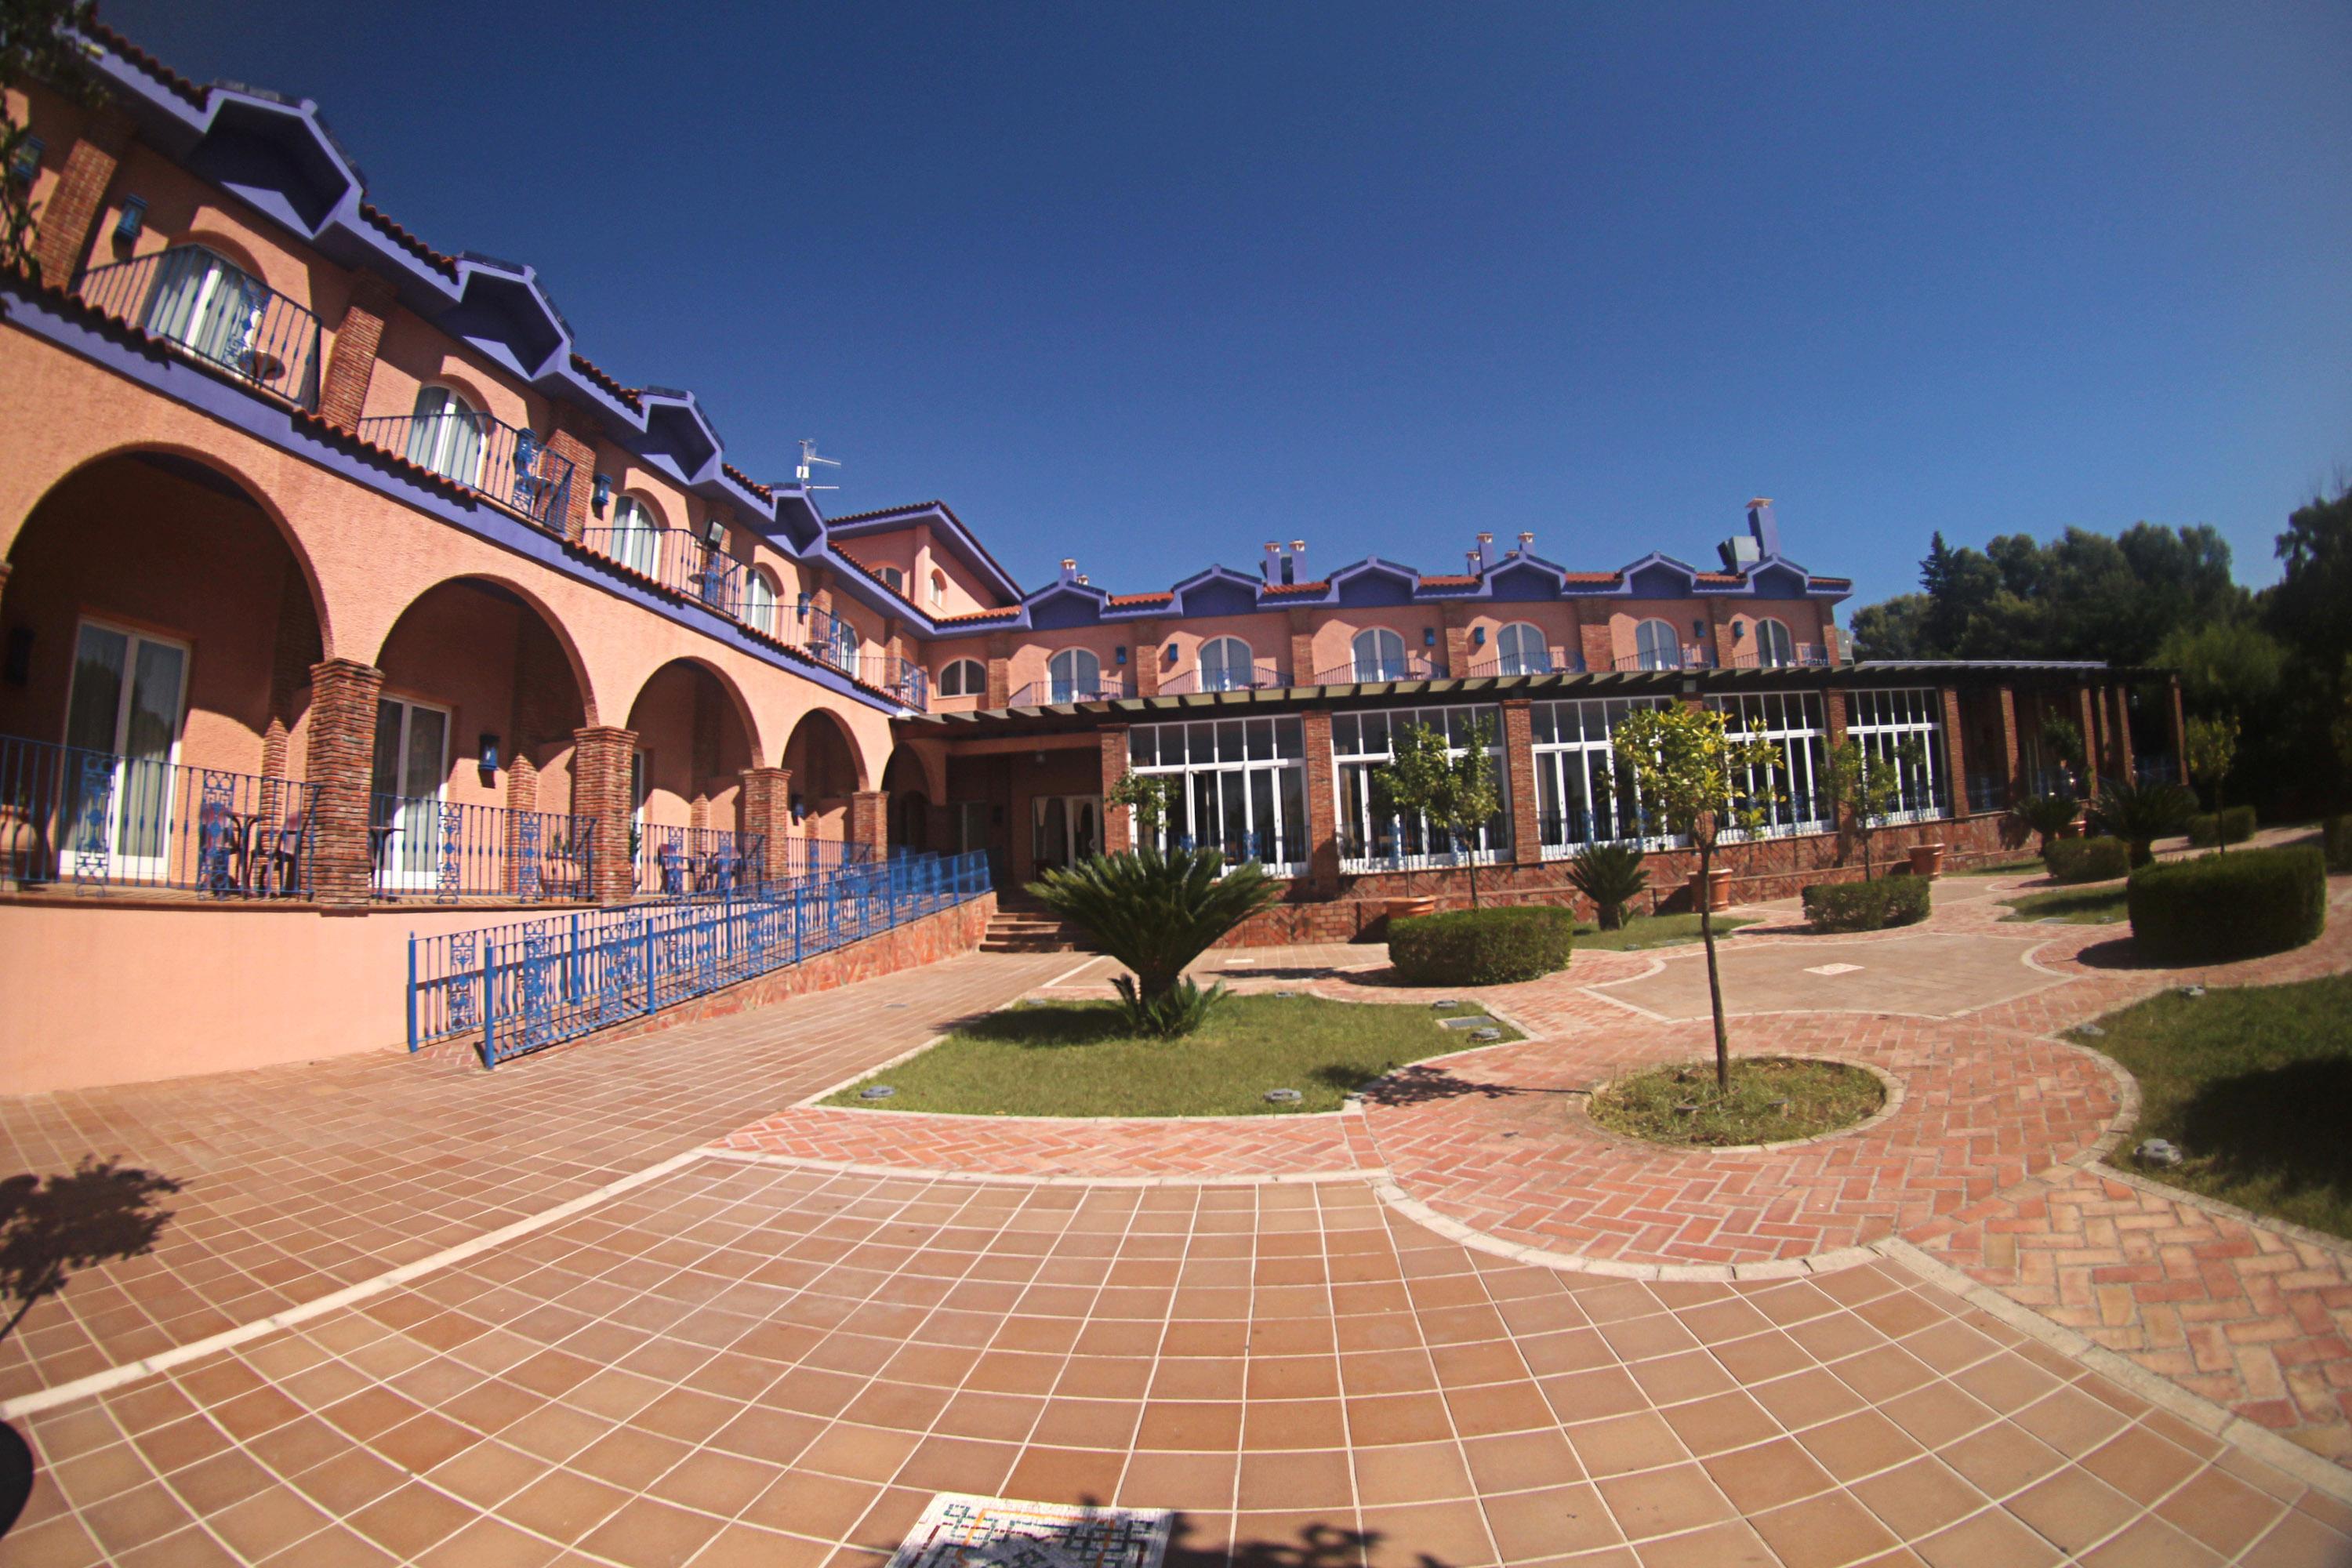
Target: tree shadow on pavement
(2283, 1126)
(1429, 1085)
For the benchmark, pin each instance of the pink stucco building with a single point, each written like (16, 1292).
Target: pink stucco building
(344, 600)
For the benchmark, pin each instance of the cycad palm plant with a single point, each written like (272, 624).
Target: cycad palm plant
(2047, 814)
(2141, 813)
(1157, 911)
(1611, 875)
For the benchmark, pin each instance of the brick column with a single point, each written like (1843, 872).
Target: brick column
(342, 763)
(351, 364)
(764, 806)
(1727, 647)
(869, 820)
(1145, 656)
(2012, 784)
(574, 439)
(1829, 638)
(1302, 647)
(1118, 821)
(2086, 716)
(1833, 714)
(1322, 805)
(600, 792)
(2176, 729)
(1519, 767)
(1956, 769)
(1457, 639)
(1000, 670)
(74, 203)
(1598, 643)
(2124, 758)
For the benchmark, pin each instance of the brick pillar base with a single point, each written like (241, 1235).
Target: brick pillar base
(74, 203)
(1118, 821)
(870, 819)
(600, 792)
(1956, 771)
(522, 796)
(1598, 647)
(764, 806)
(351, 364)
(342, 761)
(1322, 812)
(1520, 769)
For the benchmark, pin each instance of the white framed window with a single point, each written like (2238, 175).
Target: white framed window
(636, 535)
(758, 602)
(1655, 646)
(206, 302)
(1520, 648)
(124, 702)
(938, 587)
(1379, 654)
(1774, 646)
(446, 435)
(1372, 840)
(1792, 721)
(1243, 787)
(410, 772)
(1579, 798)
(1073, 675)
(964, 678)
(892, 578)
(1226, 665)
(1883, 721)
(841, 644)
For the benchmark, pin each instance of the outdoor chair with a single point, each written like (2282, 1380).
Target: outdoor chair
(276, 854)
(563, 867)
(225, 854)
(674, 874)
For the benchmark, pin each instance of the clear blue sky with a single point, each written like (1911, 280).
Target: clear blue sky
(1152, 284)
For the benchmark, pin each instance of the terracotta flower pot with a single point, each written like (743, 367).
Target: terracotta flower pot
(1406, 909)
(1927, 859)
(1718, 897)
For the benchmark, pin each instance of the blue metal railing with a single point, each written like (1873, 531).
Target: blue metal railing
(693, 862)
(830, 640)
(534, 984)
(1690, 656)
(192, 298)
(97, 821)
(425, 849)
(1362, 670)
(2158, 768)
(1987, 794)
(1045, 693)
(1547, 663)
(677, 560)
(512, 467)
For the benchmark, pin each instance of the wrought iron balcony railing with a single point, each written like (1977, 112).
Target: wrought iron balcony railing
(675, 560)
(1691, 655)
(94, 822)
(422, 847)
(1048, 692)
(1800, 655)
(497, 462)
(192, 299)
(1260, 676)
(697, 862)
(1546, 663)
(1362, 671)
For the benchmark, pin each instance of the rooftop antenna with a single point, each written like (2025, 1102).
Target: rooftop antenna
(808, 461)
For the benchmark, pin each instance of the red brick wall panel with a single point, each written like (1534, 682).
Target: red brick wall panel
(340, 765)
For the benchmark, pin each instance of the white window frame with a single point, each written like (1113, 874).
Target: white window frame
(939, 586)
(1226, 678)
(1647, 653)
(1795, 722)
(1354, 756)
(1378, 659)
(1574, 745)
(1882, 719)
(411, 861)
(760, 600)
(1768, 657)
(892, 578)
(1258, 765)
(974, 684)
(1057, 680)
(637, 532)
(136, 786)
(437, 440)
(1510, 660)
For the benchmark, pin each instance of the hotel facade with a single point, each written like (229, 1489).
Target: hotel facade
(346, 602)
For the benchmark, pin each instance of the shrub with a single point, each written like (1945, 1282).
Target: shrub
(2336, 833)
(1867, 906)
(2087, 859)
(2047, 814)
(1611, 875)
(2140, 814)
(2233, 824)
(2228, 906)
(1157, 912)
(1482, 947)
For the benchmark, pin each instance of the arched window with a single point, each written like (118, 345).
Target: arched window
(1774, 646)
(760, 602)
(204, 301)
(1380, 655)
(1658, 648)
(938, 587)
(1523, 650)
(843, 645)
(892, 578)
(636, 535)
(446, 435)
(1076, 675)
(964, 678)
(1225, 665)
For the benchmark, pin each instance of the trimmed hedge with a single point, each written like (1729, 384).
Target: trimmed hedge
(2228, 906)
(2236, 826)
(2087, 859)
(2335, 832)
(1867, 906)
(1482, 947)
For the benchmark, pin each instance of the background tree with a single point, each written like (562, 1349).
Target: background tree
(1455, 795)
(35, 45)
(1864, 789)
(1689, 772)
(2213, 747)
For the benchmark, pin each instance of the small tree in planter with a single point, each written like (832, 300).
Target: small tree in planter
(2139, 814)
(1690, 773)
(2065, 739)
(1455, 795)
(1611, 875)
(1156, 912)
(2213, 747)
(1862, 789)
(2048, 816)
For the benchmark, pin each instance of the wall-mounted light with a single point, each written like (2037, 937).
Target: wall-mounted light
(1429, 637)
(799, 807)
(489, 758)
(600, 495)
(801, 609)
(27, 161)
(1169, 652)
(715, 534)
(1698, 629)
(1477, 636)
(1119, 655)
(133, 218)
(1738, 630)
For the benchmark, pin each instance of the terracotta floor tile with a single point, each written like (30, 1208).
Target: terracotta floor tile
(1664, 1501)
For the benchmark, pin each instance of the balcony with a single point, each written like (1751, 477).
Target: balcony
(1801, 656)
(834, 642)
(1362, 671)
(1262, 676)
(1690, 656)
(423, 848)
(509, 467)
(93, 824)
(699, 862)
(1522, 664)
(673, 559)
(208, 310)
(1044, 693)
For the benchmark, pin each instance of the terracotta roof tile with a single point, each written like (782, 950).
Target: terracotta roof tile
(1470, 582)
(995, 614)
(180, 85)
(764, 492)
(383, 224)
(1123, 600)
(882, 512)
(596, 373)
(1318, 586)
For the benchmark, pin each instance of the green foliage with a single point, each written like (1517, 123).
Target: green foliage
(2139, 814)
(2231, 825)
(1153, 798)
(34, 44)
(2220, 907)
(1611, 876)
(2336, 833)
(2065, 739)
(1482, 947)
(1867, 906)
(1456, 795)
(1864, 787)
(2087, 859)
(2047, 814)
(1770, 1099)
(2225, 667)
(1155, 912)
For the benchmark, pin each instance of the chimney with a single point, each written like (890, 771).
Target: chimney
(1484, 554)
(1270, 569)
(1527, 543)
(1298, 561)
(1762, 529)
(1069, 569)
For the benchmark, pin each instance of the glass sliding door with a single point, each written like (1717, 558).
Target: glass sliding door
(411, 763)
(122, 717)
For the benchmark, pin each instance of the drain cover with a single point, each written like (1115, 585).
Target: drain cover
(876, 1091)
(1475, 1021)
(1282, 1096)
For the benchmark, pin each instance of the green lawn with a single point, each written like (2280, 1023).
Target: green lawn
(2253, 1083)
(2075, 906)
(1772, 1099)
(1074, 1058)
(1653, 931)
(2005, 869)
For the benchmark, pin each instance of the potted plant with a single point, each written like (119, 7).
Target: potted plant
(1927, 859)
